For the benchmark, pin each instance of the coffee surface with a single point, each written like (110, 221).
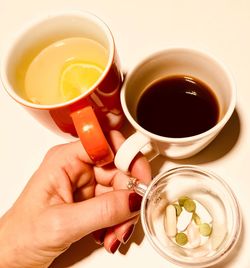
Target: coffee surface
(177, 107)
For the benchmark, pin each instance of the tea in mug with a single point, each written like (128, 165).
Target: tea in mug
(177, 106)
(64, 70)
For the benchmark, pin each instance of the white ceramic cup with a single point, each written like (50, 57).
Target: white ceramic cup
(169, 62)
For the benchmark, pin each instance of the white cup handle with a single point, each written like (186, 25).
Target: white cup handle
(129, 149)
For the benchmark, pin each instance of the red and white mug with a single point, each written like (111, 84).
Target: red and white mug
(92, 113)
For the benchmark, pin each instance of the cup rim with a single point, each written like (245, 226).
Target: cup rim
(13, 39)
(214, 129)
(237, 225)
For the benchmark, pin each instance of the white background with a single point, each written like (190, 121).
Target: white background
(140, 28)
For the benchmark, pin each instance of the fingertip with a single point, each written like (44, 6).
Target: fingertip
(116, 139)
(125, 230)
(114, 246)
(140, 168)
(78, 149)
(127, 235)
(119, 234)
(99, 236)
(111, 242)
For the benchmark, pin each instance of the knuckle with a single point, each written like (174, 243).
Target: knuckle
(56, 224)
(53, 149)
(109, 211)
(56, 229)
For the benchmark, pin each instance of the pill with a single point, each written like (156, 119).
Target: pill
(170, 220)
(205, 229)
(193, 234)
(183, 220)
(182, 199)
(189, 205)
(178, 209)
(181, 239)
(202, 212)
(196, 218)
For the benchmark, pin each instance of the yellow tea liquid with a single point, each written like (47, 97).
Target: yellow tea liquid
(64, 70)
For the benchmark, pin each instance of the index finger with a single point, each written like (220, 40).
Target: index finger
(110, 176)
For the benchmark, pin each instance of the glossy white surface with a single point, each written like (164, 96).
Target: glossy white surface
(140, 28)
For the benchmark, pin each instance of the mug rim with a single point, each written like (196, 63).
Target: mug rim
(215, 129)
(17, 36)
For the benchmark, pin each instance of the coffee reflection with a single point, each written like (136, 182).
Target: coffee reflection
(177, 106)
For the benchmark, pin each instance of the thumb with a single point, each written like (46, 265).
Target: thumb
(99, 212)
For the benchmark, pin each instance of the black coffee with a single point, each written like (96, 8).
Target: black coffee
(177, 107)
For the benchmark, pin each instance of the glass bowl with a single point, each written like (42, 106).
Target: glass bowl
(215, 205)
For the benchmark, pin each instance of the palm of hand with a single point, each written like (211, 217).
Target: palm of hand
(41, 224)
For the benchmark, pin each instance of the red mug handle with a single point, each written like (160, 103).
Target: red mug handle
(92, 137)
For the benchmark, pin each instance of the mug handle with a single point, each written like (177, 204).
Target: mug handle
(92, 137)
(130, 148)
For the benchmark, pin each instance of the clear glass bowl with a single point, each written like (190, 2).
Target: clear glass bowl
(207, 189)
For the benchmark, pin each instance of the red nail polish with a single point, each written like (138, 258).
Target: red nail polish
(134, 202)
(99, 236)
(127, 235)
(115, 246)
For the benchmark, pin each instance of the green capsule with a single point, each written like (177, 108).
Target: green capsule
(178, 209)
(196, 218)
(189, 205)
(182, 199)
(205, 229)
(181, 239)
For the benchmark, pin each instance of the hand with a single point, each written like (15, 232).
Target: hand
(67, 198)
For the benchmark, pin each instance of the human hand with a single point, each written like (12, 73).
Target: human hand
(66, 199)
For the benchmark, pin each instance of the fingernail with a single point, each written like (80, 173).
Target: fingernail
(128, 234)
(134, 202)
(115, 246)
(99, 236)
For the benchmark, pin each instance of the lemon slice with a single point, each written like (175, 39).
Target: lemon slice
(77, 78)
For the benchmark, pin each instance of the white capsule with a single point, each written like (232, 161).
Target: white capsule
(203, 212)
(170, 220)
(183, 220)
(193, 234)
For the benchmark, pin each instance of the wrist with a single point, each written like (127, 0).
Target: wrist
(14, 253)
(8, 252)
(15, 258)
